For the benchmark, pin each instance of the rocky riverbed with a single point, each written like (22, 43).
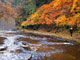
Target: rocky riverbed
(15, 45)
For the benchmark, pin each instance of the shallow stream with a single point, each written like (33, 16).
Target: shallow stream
(15, 45)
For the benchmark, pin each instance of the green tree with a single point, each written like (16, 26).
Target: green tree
(30, 7)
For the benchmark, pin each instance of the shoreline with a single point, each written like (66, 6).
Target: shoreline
(59, 35)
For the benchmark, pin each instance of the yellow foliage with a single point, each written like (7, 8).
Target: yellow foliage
(62, 20)
(60, 12)
(74, 4)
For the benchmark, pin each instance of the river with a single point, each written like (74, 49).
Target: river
(15, 45)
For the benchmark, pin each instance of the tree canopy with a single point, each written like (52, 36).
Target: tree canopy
(59, 12)
(7, 11)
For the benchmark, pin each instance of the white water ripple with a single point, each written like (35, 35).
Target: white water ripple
(11, 45)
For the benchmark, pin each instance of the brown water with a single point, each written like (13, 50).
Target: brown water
(27, 46)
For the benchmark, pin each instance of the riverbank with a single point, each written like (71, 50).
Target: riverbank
(75, 37)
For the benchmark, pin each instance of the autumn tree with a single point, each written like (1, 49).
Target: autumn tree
(46, 14)
(59, 12)
(71, 15)
(7, 11)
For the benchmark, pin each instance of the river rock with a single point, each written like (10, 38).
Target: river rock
(2, 49)
(2, 40)
(11, 51)
(27, 48)
(18, 51)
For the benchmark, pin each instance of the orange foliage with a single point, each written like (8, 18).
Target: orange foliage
(60, 12)
(7, 11)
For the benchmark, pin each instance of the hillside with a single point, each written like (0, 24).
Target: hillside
(57, 12)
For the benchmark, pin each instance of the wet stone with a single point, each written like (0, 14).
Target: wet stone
(30, 40)
(27, 48)
(18, 51)
(11, 51)
(24, 43)
(42, 49)
(3, 49)
(2, 40)
(61, 56)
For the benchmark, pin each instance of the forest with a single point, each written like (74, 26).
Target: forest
(56, 13)
(35, 14)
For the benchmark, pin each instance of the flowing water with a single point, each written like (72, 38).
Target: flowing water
(16, 45)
